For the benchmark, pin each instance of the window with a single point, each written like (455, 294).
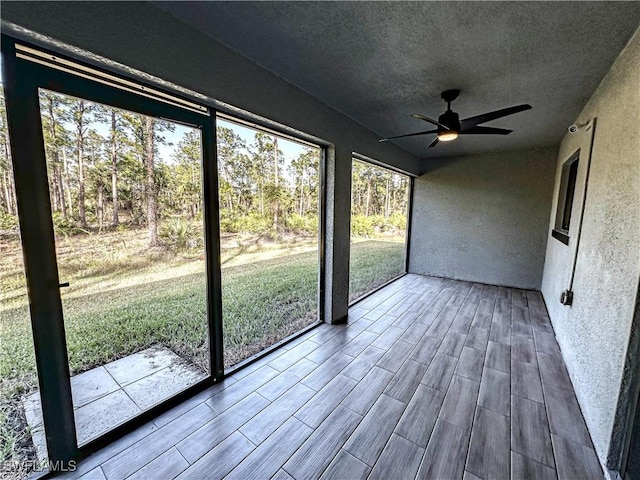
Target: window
(565, 198)
(379, 220)
(269, 193)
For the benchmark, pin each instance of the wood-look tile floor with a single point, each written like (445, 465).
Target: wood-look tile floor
(430, 378)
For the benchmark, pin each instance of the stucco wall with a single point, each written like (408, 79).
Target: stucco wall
(483, 218)
(141, 36)
(594, 333)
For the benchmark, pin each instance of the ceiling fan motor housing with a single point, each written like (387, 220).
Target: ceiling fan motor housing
(451, 120)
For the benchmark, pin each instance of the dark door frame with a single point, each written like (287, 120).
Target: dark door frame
(22, 80)
(628, 408)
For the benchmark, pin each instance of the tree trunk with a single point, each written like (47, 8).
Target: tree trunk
(195, 204)
(366, 211)
(6, 183)
(81, 195)
(302, 198)
(100, 206)
(151, 194)
(54, 193)
(61, 199)
(387, 200)
(114, 170)
(261, 196)
(230, 202)
(228, 177)
(8, 177)
(276, 205)
(80, 147)
(65, 180)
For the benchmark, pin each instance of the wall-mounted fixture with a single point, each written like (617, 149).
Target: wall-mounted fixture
(573, 128)
(566, 297)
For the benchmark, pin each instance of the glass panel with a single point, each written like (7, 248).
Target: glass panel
(126, 199)
(379, 207)
(269, 217)
(23, 448)
(571, 188)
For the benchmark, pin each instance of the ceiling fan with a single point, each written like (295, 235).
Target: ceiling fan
(450, 126)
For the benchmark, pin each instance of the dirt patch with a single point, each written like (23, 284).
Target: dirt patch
(20, 458)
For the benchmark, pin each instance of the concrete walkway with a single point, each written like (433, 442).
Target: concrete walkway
(106, 396)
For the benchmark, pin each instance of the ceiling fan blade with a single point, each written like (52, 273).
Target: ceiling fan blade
(486, 131)
(408, 135)
(471, 122)
(434, 143)
(430, 120)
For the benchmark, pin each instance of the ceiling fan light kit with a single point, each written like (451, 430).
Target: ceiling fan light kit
(449, 126)
(447, 136)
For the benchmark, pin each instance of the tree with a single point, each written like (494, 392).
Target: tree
(7, 198)
(81, 116)
(304, 171)
(377, 191)
(97, 172)
(187, 184)
(117, 140)
(54, 115)
(233, 171)
(150, 184)
(276, 182)
(143, 184)
(267, 161)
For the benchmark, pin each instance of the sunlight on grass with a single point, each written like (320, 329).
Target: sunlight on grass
(373, 263)
(110, 323)
(164, 302)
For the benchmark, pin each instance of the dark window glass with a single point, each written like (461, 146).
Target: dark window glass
(571, 187)
(565, 198)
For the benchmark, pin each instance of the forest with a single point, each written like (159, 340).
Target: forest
(108, 167)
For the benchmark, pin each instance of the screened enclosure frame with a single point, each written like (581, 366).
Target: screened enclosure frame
(23, 77)
(322, 195)
(407, 244)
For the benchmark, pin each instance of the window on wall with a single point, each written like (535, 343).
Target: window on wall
(565, 198)
(379, 213)
(269, 193)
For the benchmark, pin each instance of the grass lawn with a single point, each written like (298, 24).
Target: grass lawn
(373, 263)
(164, 302)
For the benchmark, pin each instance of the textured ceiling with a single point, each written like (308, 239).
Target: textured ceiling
(379, 62)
